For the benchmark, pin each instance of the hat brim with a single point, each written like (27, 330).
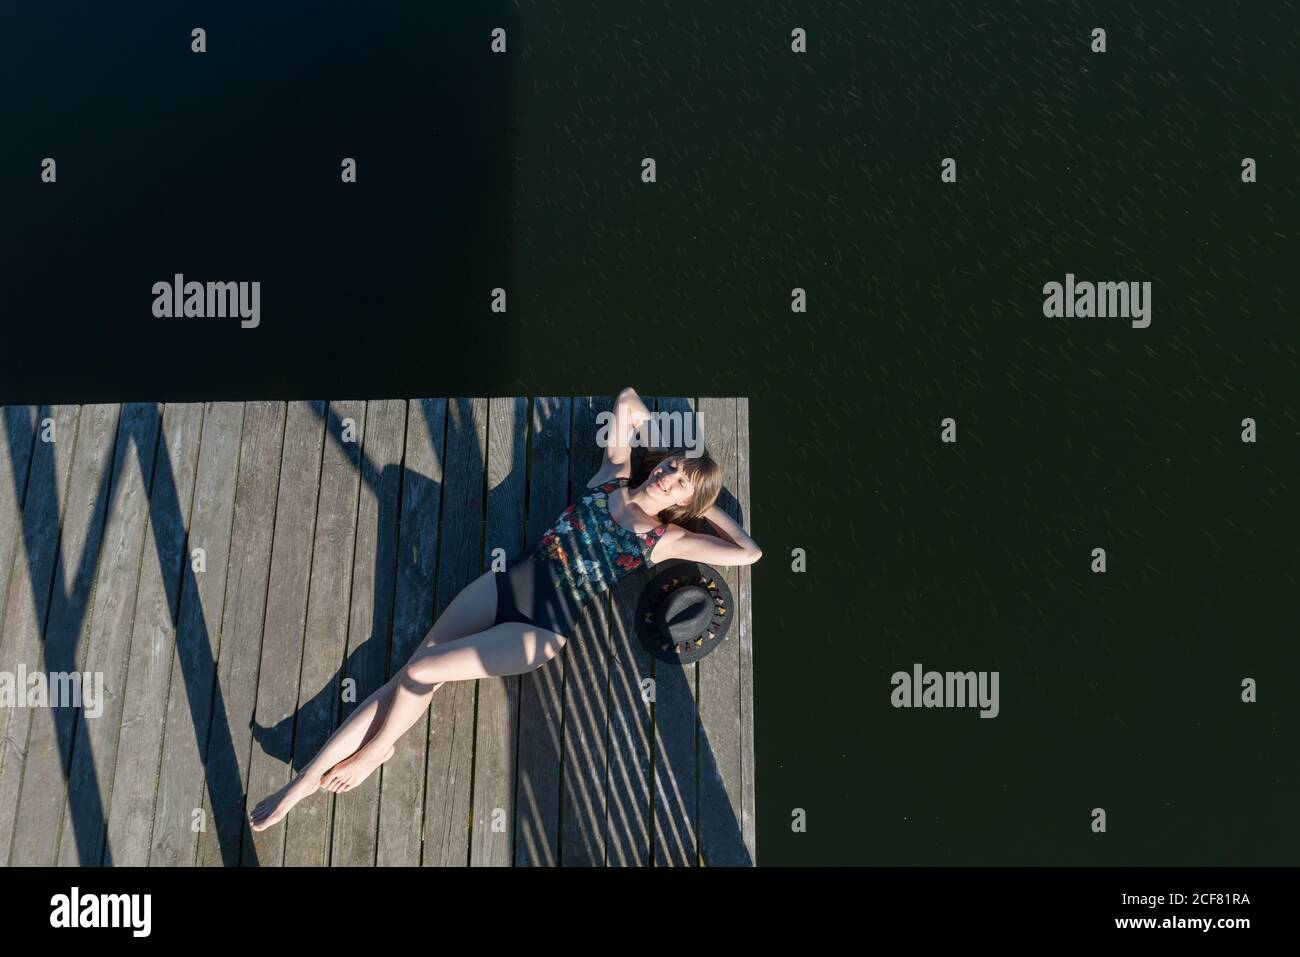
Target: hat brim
(686, 573)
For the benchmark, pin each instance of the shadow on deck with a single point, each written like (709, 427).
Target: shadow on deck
(242, 574)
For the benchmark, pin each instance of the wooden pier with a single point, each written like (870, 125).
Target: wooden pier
(240, 572)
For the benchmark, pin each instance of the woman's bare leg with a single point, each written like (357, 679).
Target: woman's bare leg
(507, 649)
(472, 610)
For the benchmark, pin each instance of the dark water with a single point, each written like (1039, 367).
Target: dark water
(1119, 691)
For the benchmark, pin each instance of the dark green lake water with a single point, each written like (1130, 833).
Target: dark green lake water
(776, 170)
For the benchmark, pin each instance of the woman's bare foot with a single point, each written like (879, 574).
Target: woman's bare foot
(351, 771)
(271, 810)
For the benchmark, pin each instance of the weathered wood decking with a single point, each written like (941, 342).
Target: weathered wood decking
(325, 560)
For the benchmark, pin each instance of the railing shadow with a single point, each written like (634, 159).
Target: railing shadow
(61, 597)
(61, 610)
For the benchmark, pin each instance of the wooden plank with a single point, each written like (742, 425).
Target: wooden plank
(50, 733)
(720, 739)
(308, 828)
(153, 637)
(16, 446)
(240, 652)
(676, 787)
(27, 548)
(631, 730)
(748, 807)
(285, 628)
(188, 758)
(537, 798)
(450, 763)
(401, 785)
(492, 825)
(108, 640)
(586, 682)
(370, 618)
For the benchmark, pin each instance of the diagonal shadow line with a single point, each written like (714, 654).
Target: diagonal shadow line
(198, 667)
(728, 848)
(65, 610)
(59, 656)
(85, 802)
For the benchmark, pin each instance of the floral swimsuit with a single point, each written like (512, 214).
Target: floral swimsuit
(590, 549)
(583, 554)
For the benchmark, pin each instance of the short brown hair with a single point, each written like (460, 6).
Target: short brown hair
(705, 475)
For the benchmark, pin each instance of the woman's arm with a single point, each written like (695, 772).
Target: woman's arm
(614, 434)
(677, 542)
(730, 529)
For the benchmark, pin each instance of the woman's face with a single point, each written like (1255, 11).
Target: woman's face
(669, 484)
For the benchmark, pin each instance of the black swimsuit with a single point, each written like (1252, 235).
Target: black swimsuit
(580, 556)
